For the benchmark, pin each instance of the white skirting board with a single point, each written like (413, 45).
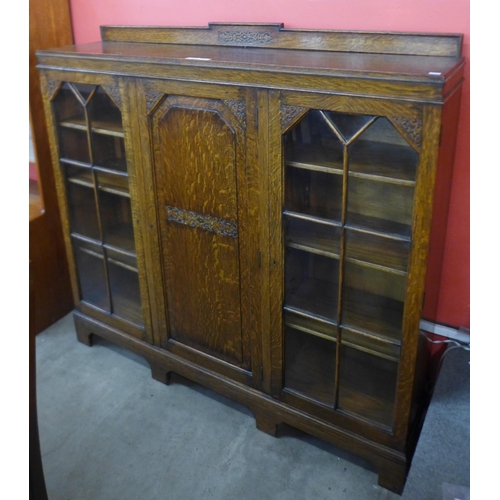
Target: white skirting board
(445, 331)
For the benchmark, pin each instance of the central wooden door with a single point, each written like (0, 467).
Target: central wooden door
(199, 160)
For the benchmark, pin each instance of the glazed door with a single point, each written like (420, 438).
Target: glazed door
(200, 166)
(96, 188)
(349, 170)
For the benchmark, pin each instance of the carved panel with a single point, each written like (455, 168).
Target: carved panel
(289, 115)
(206, 222)
(52, 87)
(153, 99)
(239, 109)
(411, 128)
(245, 37)
(114, 93)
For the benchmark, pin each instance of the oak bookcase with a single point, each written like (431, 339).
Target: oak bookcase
(251, 207)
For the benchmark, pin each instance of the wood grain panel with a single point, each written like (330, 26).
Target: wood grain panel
(196, 168)
(276, 36)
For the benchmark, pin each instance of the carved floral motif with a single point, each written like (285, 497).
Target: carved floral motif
(52, 86)
(153, 99)
(238, 108)
(245, 37)
(411, 128)
(206, 222)
(114, 93)
(289, 114)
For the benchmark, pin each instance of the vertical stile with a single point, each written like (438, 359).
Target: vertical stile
(341, 269)
(96, 197)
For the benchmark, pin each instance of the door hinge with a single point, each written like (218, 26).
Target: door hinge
(259, 258)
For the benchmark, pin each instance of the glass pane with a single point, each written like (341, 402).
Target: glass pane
(90, 265)
(379, 206)
(382, 169)
(84, 90)
(310, 365)
(367, 384)
(72, 126)
(313, 193)
(81, 201)
(108, 146)
(116, 217)
(311, 284)
(312, 144)
(346, 124)
(124, 285)
(381, 150)
(112, 182)
(373, 300)
(379, 250)
(312, 236)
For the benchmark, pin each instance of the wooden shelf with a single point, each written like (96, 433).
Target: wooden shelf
(125, 295)
(108, 182)
(75, 163)
(371, 344)
(82, 178)
(313, 237)
(312, 218)
(378, 227)
(397, 167)
(112, 182)
(367, 386)
(120, 250)
(388, 253)
(357, 339)
(372, 265)
(373, 314)
(120, 236)
(314, 297)
(320, 327)
(103, 127)
(310, 366)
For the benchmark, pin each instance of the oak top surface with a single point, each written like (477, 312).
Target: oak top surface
(432, 69)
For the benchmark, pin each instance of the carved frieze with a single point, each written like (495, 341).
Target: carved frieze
(289, 115)
(411, 128)
(206, 222)
(245, 37)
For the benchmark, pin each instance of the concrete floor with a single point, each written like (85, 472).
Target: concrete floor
(108, 431)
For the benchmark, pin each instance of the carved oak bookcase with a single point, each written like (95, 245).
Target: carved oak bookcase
(251, 207)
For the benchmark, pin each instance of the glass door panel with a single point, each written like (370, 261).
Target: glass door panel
(367, 382)
(373, 300)
(116, 216)
(312, 236)
(349, 187)
(379, 206)
(310, 365)
(383, 251)
(81, 200)
(311, 284)
(92, 158)
(69, 110)
(106, 132)
(381, 151)
(124, 285)
(89, 259)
